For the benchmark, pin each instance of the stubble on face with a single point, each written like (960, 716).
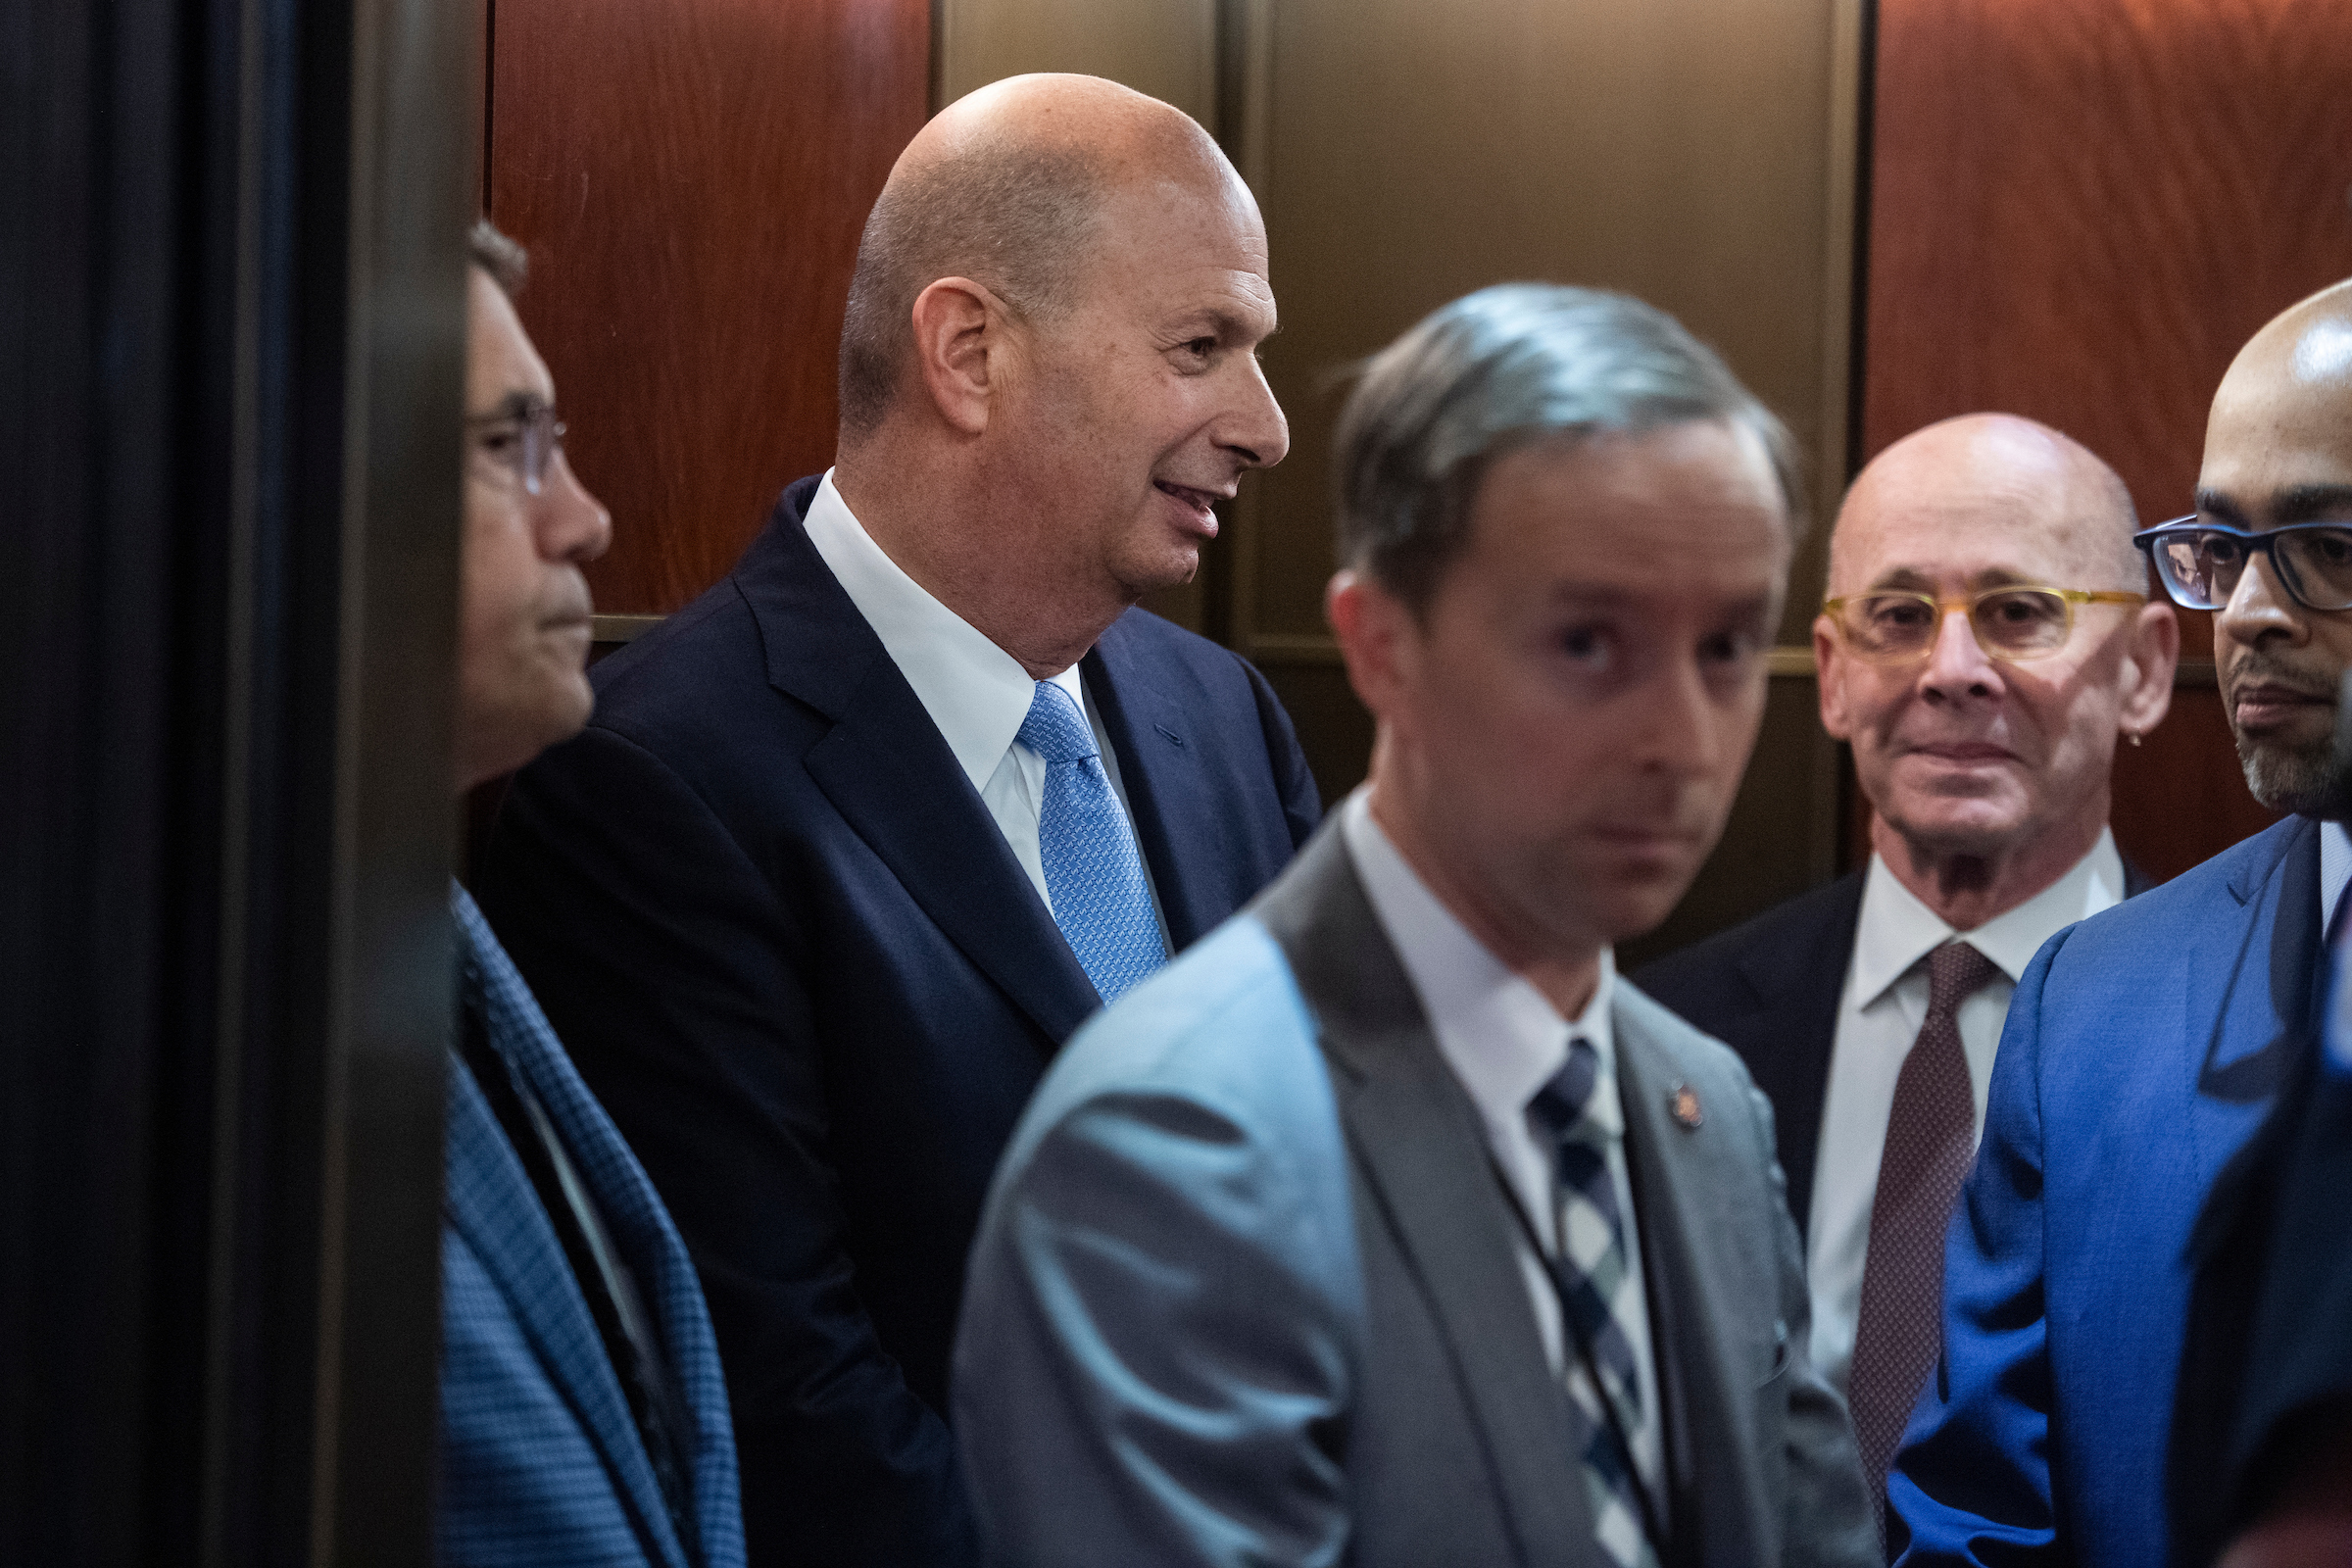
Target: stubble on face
(2278, 451)
(2301, 775)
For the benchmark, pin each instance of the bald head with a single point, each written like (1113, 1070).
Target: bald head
(2278, 453)
(1988, 477)
(2292, 382)
(1984, 755)
(1011, 187)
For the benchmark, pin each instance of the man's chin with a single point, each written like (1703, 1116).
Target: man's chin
(1985, 832)
(1173, 570)
(2299, 779)
(1635, 906)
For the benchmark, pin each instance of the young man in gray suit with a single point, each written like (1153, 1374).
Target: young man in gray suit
(1388, 1225)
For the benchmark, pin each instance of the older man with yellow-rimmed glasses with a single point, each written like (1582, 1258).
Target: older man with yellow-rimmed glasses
(1986, 643)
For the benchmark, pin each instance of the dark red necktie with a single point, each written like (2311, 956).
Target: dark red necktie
(1931, 1138)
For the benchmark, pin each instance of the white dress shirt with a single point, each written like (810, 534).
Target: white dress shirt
(1504, 1041)
(974, 691)
(1886, 1001)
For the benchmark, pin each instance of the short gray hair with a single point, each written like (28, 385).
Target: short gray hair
(1497, 371)
(1019, 219)
(508, 264)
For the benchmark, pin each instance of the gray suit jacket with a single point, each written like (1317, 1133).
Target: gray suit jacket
(1246, 1293)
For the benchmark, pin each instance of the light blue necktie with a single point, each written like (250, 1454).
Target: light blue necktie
(1093, 871)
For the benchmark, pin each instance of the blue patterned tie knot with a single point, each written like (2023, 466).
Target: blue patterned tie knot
(1055, 730)
(1093, 871)
(1560, 1103)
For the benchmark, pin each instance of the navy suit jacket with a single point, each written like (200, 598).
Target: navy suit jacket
(1770, 989)
(541, 1462)
(2141, 1051)
(2266, 1375)
(791, 950)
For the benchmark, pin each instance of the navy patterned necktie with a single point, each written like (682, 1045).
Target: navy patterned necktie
(1931, 1139)
(1596, 1298)
(1093, 871)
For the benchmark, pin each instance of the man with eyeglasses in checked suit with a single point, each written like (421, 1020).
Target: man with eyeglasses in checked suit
(2145, 1047)
(584, 1417)
(1984, 645)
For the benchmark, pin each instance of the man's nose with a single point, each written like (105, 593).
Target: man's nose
(571, 525)
(2259, 607)
(1254, 428)
(1956, 662)
(1682, 722)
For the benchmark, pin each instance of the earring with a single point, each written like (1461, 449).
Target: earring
(2133, 736)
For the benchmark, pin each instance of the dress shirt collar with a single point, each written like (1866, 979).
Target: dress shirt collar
(974, 691)
(1502, 1037)
(1897, 930)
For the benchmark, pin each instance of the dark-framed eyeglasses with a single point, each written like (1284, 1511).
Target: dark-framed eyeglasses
(524, 440)
(2200, 562)
(2025, 620)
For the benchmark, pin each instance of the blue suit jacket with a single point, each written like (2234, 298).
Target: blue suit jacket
(2141, 1050)
(788, 945)
(541, 1462)
(2267, 1373)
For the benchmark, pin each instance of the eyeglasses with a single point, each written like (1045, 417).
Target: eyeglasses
(524, 439)
(2200, 562)
(2029, 621)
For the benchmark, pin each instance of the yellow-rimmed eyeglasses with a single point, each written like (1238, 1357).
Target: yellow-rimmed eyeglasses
(2023, 621)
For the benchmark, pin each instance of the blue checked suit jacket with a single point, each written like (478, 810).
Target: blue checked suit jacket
(540, 1460)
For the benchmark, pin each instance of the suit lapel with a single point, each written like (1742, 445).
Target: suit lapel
(624, 1195)
(1422, 1155)
(490, 1201)
(889, 772)
(1708, 1257)
(1159, 764)
(1797, 976)
(2243, 1027)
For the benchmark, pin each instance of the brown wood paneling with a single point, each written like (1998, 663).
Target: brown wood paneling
(691, 177)
(1406, 153)
(2078, 211)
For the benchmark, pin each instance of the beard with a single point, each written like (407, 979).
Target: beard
(2309, 778)
(2304, 780)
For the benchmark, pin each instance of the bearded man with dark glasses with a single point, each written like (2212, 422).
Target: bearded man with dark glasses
(1984, 643)
(2083, 1294)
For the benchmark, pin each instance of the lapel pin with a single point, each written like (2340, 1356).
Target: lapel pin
(1682, 1100)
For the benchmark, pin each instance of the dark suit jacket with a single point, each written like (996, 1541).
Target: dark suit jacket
(1247, 1293)
(793, 953)
(1770, 990)
(2265, 1369)
(2142, 1050)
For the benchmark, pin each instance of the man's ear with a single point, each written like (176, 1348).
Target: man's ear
(1829, 672)
(1377, 637)
(2148, 665)
(960, 343)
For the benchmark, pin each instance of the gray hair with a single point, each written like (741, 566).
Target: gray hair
(1019, 219)
(1493, 371)
(508, 264)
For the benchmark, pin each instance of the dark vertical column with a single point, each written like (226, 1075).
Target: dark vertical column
(230, 362)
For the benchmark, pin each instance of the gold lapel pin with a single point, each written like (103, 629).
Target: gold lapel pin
(1683, 1102)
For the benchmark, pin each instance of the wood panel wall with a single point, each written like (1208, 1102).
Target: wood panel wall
(2078, 211)
(691, 177)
